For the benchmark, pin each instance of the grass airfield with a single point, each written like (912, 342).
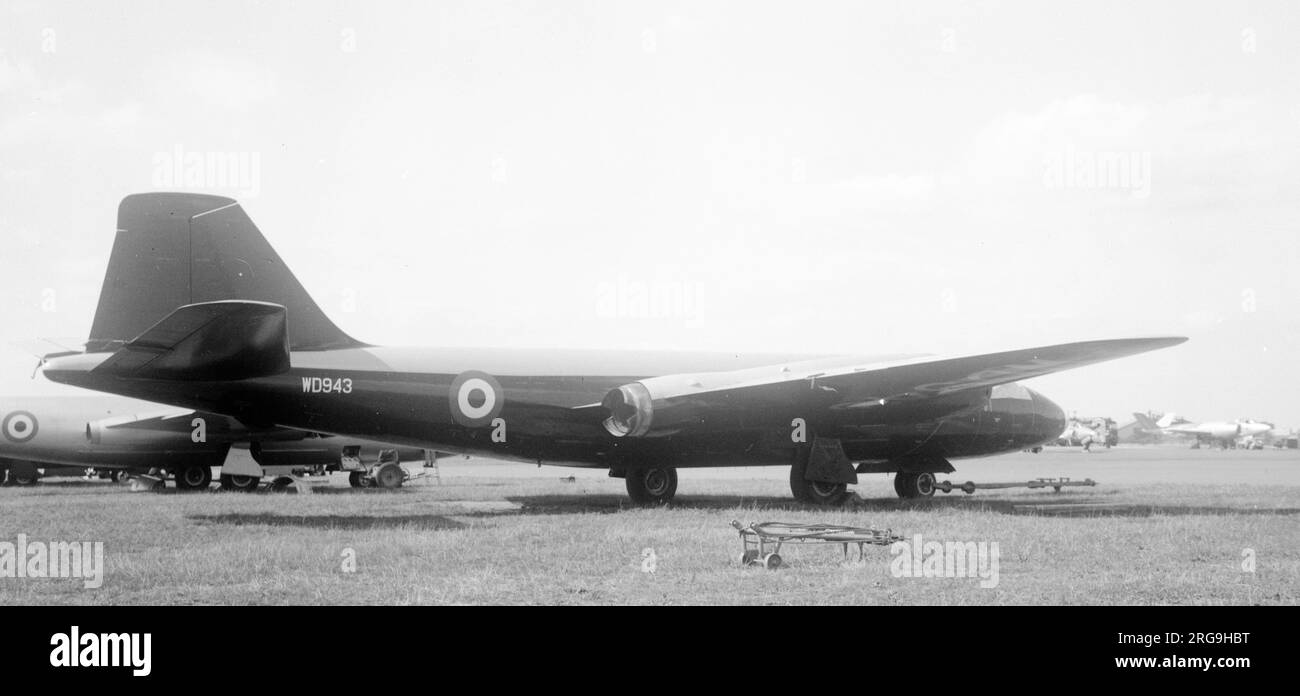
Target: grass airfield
(1163, 526)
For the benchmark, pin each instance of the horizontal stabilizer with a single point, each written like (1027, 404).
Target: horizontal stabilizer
(211, 341)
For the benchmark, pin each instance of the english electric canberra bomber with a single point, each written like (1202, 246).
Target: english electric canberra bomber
(198, 311)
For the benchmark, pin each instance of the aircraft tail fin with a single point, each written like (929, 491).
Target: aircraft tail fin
(1146, 422)
(177, 249)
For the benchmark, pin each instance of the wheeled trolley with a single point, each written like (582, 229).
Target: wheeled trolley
(762, 540)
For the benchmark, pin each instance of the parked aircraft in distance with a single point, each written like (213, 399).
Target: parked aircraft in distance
(1087, 432)
(68, 433)
(1223, 433)
(198, 311)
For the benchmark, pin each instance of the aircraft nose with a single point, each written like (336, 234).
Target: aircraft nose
(1049, 419)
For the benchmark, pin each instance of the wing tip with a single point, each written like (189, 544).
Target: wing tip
(1165, 340)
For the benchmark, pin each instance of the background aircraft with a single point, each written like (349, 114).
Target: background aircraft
(66, 434)
(1242, 432)
(1088, 432)
(198, 311)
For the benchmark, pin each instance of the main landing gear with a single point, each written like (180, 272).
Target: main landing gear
(651, 486)
(816, 492)
(243, 484)
(24, 478)
(824, 461)
(192, 477)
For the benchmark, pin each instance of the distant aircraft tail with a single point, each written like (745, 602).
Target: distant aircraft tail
(1145, 421)
(177, 249)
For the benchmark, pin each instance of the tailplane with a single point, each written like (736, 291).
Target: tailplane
(178, 249)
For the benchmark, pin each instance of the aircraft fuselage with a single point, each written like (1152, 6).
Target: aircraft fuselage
(543, 406)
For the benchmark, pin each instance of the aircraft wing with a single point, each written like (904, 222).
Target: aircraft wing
(854, 385)
(162, 419)
(181, 420)
(930, 377)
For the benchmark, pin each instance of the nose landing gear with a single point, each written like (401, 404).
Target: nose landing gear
(914, 485)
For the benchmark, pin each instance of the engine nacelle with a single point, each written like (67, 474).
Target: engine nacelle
(111, 432)
(652, 407)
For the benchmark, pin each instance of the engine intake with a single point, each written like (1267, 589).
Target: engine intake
(631, 410)
(654, 407)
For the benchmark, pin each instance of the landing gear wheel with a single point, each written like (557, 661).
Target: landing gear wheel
(771, 561)
(748, 558)
(815, 492)
(909, 485)
(651, 486)
(389, 476)
(280, 485)
(235, 482)
(358, 479)
(118, 475)
(193, 477)
(924, 485)
(23, 479)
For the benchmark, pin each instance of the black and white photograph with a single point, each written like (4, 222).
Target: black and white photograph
(560, 302)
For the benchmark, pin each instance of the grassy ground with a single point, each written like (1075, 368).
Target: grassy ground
(503, 534)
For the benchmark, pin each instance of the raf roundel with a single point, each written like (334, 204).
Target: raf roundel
(19, 426)
(475, 398)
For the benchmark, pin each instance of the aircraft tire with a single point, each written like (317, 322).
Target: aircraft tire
(281, 484)
(243, 484)
(389, 476)
(654, 486)
(358, 479)
(900, 484)
(22, 474)
(914, 485)
(815, 492)
(192, 477)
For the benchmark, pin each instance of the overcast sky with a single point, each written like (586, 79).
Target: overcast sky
(859, 177)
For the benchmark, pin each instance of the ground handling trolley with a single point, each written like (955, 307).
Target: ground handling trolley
(763, 540)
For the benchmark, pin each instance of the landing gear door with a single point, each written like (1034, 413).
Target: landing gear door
(239, 462)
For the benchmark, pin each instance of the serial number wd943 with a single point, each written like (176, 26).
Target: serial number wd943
(326, 385)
